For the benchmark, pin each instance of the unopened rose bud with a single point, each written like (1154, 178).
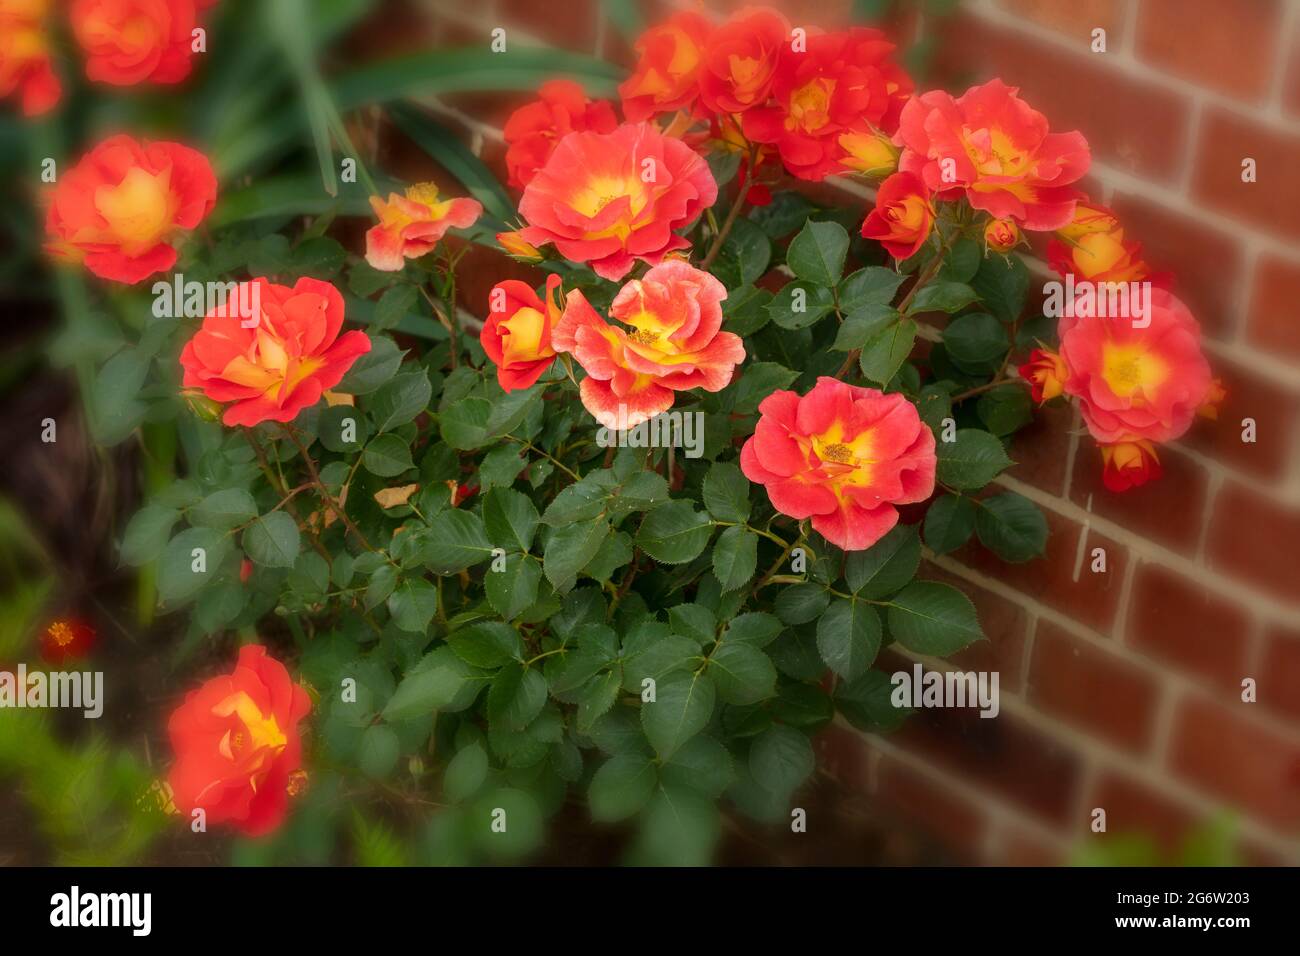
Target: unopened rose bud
(1001, 235)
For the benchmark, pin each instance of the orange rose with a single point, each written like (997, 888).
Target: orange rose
(238, 755)
(273, 368)
(1092, 246)
(411, 225)
(740, 60)
(871, 153)
(613, 198)
(1001, 235)
(533, 131)
(517, 248)
(1046, 374)
(666, 77)
(25, 56)
(131, 41)
(517, 332)
(118, 209)
(1127, 464)
(903, 217)
(675, 343)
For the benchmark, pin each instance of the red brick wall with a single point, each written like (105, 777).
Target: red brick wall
(1120, 690)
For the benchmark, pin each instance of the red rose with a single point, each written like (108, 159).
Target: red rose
(236, 743)
(131, 41)
(118, 209)
(532, 132)
(903, 217)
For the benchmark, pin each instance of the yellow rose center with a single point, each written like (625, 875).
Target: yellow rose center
(260, 731)
(809, 105)
(60, 633)
(1127, 369)
(139, 210)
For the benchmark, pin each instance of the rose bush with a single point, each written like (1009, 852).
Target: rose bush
(634, 528)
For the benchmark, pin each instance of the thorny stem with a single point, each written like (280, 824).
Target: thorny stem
(277, 483)
(324, 492)
(732, 215)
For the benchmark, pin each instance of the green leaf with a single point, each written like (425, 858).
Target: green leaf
(487, 644)
(949, 523)
(781, 759)
(931, 618)
(441, 681)
(620, 787)
(674, 533)
(570, 548)
(455, 541)
(942, 297)
(867, 703)
(510, 519)
(800, 304)
(379, 750)
(745, 255)
(801, 603)
(1002, 283)
(817, 253)
(848, 637)
(863, 326)
(742, 673)
(1005, 410)
(387, 456)
(682, 707)
(1012, 527)
(517, 696)
(273, 540)
(374, 368)
(115, 405)
(177, 579)
(757, 381)
(756, 627)
(513, 590)
(735, 557)
(976, 342)
(703, 764)
(334, 422)
(886, 566)
(887, 350)
(465, 773)
(393, 306)
(400, 399)
(382, 582)
(224, 509)
(596, 698)
(147, 533)
(463, 425)
(972, 460)
(962, 261)
(872, 286)
(726, 493)
(412, 604)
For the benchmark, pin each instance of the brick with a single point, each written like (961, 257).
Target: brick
(1254, 769)
(1020, 847)
(843, 754)
(1291, 86)
(1133, 809)
(1271, 324)
(1131, 124)
(1167, 510)
(1096, 691)
(1175, 620)
(1256, 539)
(1230, 48)
(1275, 411)
(1041, 448)
(947, 818)
(1005, 624)
(570, 25)
(1206, 263)
(1272, 203)
(1278, 681)
(1091, 600)
(1004, 755)
(1074, 18)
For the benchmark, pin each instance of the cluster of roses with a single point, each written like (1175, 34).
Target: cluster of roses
(124, 42)
(611, 195)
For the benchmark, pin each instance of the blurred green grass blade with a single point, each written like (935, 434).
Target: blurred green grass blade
(626, 17)
(286, 20)
(290, 195)
(453, 155)
(471, 70)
